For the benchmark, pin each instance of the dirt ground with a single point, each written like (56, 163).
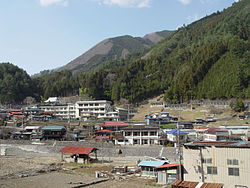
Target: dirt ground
(27, 169)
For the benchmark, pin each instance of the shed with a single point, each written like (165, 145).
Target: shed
(167, 173)
(148, 167)
(79, 152)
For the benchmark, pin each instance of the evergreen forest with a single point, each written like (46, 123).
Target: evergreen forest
(208, 59)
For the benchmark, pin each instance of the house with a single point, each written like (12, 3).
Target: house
(148, 167)
(217, 162)
(236, 132)
(199, 121)
(167, 173)
(173, 134)
(53, 132)
(140, 135)
(78, 154)
(185, 125)
(215, 134)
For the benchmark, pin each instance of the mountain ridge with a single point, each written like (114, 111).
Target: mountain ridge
(112, 49)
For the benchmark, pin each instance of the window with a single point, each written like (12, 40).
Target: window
(153, 133)
(232, 162)
(144, 133)
(211, 170)
(207, 160)
(127, 133)
(136, 133)
(233, 172)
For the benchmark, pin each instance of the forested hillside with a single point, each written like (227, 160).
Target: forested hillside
(206, 59)
(15, 84)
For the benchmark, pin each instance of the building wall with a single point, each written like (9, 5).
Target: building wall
(219, 156)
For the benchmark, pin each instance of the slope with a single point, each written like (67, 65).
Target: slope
(112, 49)
(206, 59)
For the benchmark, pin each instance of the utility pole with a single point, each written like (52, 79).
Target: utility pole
(179, 151)
(202, 170)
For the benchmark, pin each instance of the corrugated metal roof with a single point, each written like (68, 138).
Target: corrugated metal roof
(168, 165)
(77, 149)
(175, 132)
(211, 185)
(151, 163)
(240, 144)
(53, 127)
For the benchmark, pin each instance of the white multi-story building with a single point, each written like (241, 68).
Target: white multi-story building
(84, 110)
(98, 108)
(218, 162)
(64, 111)
(140, 135)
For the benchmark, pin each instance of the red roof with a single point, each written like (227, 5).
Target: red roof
(104, 131)
(114, 124)
(168, 165)
(20, 116)
(16, 113)
(77, 149)
(101, 137)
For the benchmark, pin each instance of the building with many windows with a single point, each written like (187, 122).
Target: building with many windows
(218, 162)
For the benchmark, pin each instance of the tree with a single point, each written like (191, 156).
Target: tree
(237, 105)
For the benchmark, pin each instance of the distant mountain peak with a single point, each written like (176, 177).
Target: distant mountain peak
(112, 49)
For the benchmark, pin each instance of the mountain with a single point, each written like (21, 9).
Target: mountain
(112, 49)
(208, 59)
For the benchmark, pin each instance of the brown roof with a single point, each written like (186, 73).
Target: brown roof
(212, 185)
(168, 165)
(189, 184)
(77, 149)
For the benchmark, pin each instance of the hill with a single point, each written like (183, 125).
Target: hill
(112, 49)
(15, 84)
(206, 59)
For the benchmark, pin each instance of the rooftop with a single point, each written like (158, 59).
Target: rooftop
(229, 144)
(53, 127)
(152, 163)
(77, 150)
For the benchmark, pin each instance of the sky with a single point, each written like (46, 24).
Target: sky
(38, 35)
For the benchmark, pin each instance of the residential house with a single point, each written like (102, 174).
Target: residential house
(172, 136)
(53, 132)
(114, 125)
(215, 134)
(236, 132)
(185, 125)
(217, 162)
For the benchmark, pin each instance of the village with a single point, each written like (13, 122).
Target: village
(95, 144)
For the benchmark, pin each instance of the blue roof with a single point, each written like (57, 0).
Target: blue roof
(175, 132)
(53, 127)
(151, 163)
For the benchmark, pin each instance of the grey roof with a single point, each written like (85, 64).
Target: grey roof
(229, 144)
